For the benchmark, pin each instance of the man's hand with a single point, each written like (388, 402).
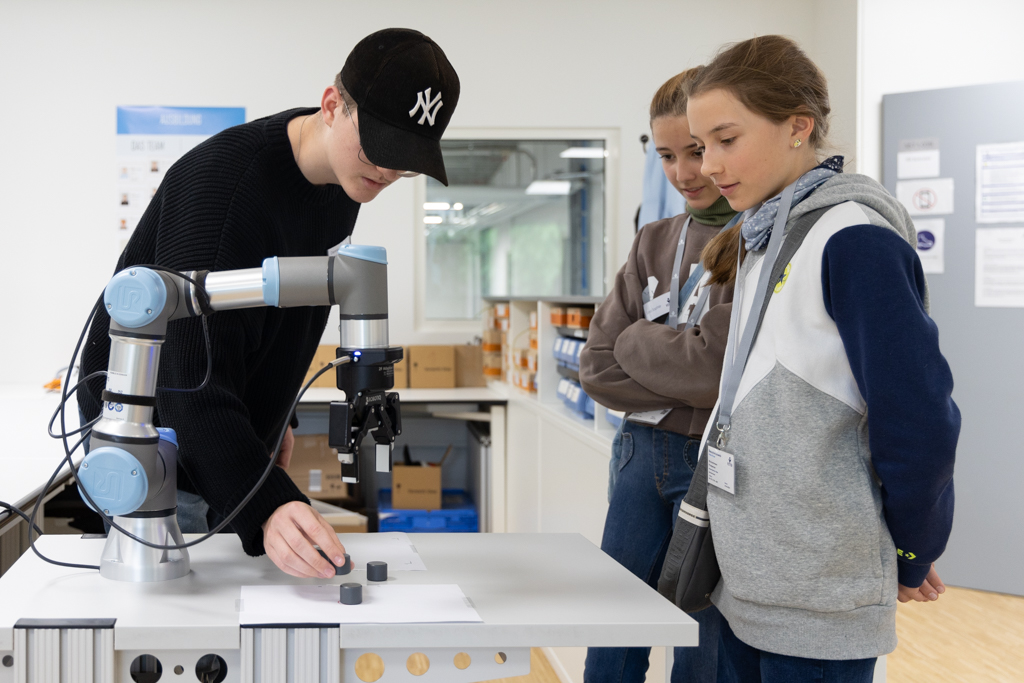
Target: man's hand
(930, 590)
(289, 536)
(287, 447)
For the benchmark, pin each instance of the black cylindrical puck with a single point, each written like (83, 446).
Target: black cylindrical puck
(345, 568)
(351, 593)
(377, 571)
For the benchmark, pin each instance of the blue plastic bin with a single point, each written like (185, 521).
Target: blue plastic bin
(458, 514)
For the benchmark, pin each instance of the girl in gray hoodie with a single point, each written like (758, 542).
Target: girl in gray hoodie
(831, 451)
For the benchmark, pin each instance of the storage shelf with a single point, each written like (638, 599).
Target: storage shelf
(573, 299)
(548, 374)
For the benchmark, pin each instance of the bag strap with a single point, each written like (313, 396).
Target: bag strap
(697, 495)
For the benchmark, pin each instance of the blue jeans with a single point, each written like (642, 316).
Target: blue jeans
(744, 664)
(654, 471)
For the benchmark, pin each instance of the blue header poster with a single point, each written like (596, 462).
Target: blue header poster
(149, 140)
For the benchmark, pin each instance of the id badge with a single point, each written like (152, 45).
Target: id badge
(722, 469)
(655, 308)
(649, 417)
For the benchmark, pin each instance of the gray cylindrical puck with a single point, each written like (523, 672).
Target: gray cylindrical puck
(377, 571)
(345, 568)
(351, 593)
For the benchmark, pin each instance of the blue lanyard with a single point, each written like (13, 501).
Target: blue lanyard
(676, 302)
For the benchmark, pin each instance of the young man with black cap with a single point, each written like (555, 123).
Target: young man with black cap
(285, 185)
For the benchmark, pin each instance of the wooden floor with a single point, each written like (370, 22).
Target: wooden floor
(965, 636)
(540, 671)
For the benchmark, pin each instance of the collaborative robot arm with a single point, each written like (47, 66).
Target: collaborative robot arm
(133, 479)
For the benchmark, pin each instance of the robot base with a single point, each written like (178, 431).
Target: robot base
(126, 560)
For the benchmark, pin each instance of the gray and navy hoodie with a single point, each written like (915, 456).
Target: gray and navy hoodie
(844, 435)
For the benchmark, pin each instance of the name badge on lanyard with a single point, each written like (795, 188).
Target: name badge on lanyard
(722, 463)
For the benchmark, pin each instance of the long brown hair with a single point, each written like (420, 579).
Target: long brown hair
(670, 100)
(772, 77)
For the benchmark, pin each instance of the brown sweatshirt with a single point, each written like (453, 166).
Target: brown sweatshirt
(633, 364)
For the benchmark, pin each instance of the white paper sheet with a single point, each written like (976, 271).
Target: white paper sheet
(393, 547)
(382, 604)
(931, 244)
(926, 197)
(999, 178)
(999, 267)
(917, 164)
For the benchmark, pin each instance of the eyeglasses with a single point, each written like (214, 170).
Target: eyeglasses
(362, 155)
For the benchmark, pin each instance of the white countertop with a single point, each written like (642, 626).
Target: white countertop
(491, 394)
(530, 590)
(28, 455)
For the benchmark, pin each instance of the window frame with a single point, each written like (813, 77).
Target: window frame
(610, 137)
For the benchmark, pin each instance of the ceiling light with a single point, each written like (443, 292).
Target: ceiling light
(549, 187)
(436, 206)
(584, 153)
(457, 206)
(432, 220)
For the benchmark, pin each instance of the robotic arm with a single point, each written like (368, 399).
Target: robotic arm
(131, 474)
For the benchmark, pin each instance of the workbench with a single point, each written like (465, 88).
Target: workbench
(531, 590)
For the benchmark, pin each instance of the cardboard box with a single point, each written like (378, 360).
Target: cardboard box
(402, 371)
(578, 318)
(558, 316)
(315, 468)
(325, 353)
(341, 520)
(492, 340)
(431, 367)
(415, 487)
(469, 366)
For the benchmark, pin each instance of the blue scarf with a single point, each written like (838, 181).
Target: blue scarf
(757, 228)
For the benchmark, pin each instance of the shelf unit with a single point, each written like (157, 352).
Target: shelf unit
(547, 367)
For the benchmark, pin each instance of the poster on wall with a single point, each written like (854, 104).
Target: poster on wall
(931, 244)
(999, 268)
(999, 183)
(149, 140)
(926, 197)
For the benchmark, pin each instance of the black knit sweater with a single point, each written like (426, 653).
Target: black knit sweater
(229, 203)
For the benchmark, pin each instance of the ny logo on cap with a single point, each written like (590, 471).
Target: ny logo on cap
(423, 101)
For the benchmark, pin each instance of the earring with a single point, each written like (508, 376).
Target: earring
(797, 143)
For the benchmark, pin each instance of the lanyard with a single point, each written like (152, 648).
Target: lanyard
(736, 355)
(673, 288)
(678, 296)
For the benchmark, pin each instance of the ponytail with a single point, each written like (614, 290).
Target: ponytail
(719, 256)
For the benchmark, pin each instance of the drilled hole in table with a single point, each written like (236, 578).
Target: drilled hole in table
(179, 669)
(462, 661)
(369, 667)
(211, 669)
(417, 664)
(500, 658)
(146, 669)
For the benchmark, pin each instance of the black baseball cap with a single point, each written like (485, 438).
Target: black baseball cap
(406, 91)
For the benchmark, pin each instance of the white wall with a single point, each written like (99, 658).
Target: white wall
(65, 66)
(928, 44)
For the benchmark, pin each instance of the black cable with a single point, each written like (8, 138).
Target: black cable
(35, 512)
(53, 418)
(21, 514)
(206, 332)
(82, 489)
(209, 366)
(245, 501)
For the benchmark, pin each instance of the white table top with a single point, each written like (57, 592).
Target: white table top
(531, 590)
(491, 394)
(28, 455)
